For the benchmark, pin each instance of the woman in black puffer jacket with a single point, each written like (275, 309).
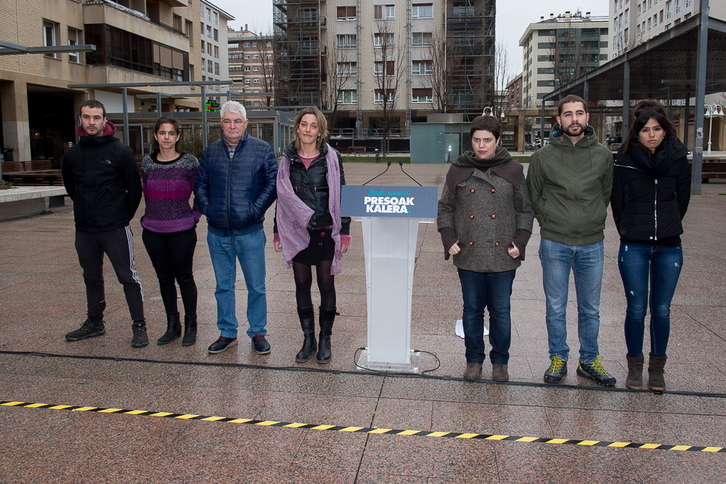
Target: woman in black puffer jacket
(651, 191)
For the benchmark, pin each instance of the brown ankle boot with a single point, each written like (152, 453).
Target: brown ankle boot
(635, 372)
(656, 373)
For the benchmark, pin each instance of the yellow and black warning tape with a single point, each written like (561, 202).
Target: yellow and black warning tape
(368, 430)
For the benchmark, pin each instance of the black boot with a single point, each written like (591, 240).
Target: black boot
(190, 330)
(656, 377)
(327, 316)
(173, 329)
(307, 322)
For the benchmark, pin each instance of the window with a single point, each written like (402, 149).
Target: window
(216, 68)
(347, 41)
(348, 97)
(216, 18)
(384, 12)
(346, 13)
(422, 68)
(422, 38)
(383, 40)
(210, 66)
(247, 57)
(422, 10)
(255, 56)
(209, 31)
(248, 81)
(216, 52)
(347, 69)
(254, 44)
(74, 38)
(378, 68)
(669, 13)
(378, 97)
(255, 81)
(50, 36)
(256, 69)
(247, 68)
(209, 14)
(209, 48)
(678, 7)
(216, 35)
(421, 96)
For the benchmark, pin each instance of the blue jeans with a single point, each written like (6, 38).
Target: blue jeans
(490, 290)
(250, 251)
(662, 265)
(586, 263)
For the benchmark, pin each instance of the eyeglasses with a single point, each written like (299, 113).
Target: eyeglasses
(228, 122)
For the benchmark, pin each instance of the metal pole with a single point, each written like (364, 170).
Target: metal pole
(626, 100)
(205, 137)
(127, 135)
(158, 105)
(702, 58)
(710, 127)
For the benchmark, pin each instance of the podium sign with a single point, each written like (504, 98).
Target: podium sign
(390, 216)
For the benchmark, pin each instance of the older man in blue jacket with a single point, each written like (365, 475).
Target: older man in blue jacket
(235, 185)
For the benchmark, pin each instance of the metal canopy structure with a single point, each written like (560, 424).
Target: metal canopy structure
(686, 61)
(7, 48)
(662, 64)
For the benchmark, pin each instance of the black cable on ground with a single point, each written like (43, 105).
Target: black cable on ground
(357, 372)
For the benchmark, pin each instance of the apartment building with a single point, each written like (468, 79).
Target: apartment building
(251, 63)
(560, 49)
(137, 41)
(633, 22)
(381, 65)
(214, 47)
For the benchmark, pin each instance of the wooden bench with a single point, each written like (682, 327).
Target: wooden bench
(712, 169)
(34, 177)
(351, 150)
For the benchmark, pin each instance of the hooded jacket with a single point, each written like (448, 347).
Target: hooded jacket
(570, 187)
(235, 193)
(101, 177)
(485, 207)
(651, 193)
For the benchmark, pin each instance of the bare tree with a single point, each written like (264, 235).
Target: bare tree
(265, 51)
(444, 60)
(565, 55)
(390, 67)
(338, 70)
(501, 67)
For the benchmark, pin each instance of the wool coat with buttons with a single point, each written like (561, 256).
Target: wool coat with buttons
(487, 214)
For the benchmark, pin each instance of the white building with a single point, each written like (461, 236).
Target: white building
(560, 49)
(215, 61)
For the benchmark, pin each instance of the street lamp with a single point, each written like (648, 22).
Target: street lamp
(488, 111)
(711, 111)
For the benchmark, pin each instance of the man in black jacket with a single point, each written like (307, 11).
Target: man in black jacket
(102, 179)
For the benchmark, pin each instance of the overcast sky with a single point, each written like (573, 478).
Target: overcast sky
(513, 17)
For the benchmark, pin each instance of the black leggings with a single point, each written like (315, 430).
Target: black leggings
(304, 281)
(172, 255)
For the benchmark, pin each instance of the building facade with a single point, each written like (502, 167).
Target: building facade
(213, 45)
(560, 49)
(251, 61)
(380, 65)
(136, 42)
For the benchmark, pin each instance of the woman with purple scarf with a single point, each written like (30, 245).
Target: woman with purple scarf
(309, 230)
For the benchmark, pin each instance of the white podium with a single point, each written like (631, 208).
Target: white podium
(390, 217)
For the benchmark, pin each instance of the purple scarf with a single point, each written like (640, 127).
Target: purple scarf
(293, 215)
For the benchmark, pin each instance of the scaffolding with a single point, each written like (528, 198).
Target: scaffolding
(470, 26)
(298, 53)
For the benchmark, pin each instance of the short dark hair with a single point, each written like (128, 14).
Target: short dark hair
(155, 144)
(93, 104)
(487, 123)
(570, 98)
(643, 112)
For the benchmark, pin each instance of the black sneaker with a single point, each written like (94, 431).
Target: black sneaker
(140, 339)
(260, 344)
(595, 371)
(88, 329)
(221, 344)
(557, 369)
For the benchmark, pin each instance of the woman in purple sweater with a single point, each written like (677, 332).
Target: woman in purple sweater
(169, 226)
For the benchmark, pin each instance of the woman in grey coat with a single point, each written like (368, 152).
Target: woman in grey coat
(485, 221)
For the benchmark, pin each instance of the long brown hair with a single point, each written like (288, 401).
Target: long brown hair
(322, 126)
(645, 111)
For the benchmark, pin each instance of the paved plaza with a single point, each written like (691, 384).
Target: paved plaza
(100, 411)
